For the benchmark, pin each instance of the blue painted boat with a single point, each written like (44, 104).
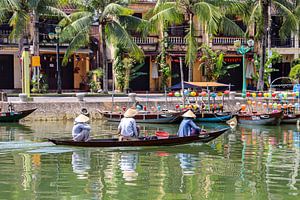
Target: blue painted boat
(213, 117)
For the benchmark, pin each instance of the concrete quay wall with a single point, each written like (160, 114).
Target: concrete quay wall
(54, 111)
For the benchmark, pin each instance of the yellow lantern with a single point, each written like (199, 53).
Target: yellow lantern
(253, 94)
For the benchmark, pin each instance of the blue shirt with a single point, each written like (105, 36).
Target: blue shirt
(127, 127)
(79, 127)
(185, 128)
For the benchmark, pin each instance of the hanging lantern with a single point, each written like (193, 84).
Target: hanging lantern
(285, 106)
(248, 94)
(220, 94)
(285, 95)
(279, 106)
(290, 105)
(273, 95)
(265, 105)
(171, 94)
(266, 95)
(243, 107)
(124, 108)
(203, 94)
(259, 104)
(177, 94)
(253, 103)
(259, 94)
(145, 108)
(186, 93)
(297, 105)
(193, 94)
(213, 95)
(253, 94)
(117, 107)
(294, 94)
(139, 107)
(226, 92)
(177, 106)
(297, 94)
(270, 105)
(152, 108)
(249, 102)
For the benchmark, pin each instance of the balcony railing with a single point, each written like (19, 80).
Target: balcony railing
(227, 40)
(4, 37)
(279, 43)
(145, 41)
(181, 40)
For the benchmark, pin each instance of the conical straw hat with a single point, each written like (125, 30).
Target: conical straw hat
(189, 114)
(130, 113)
(82, 119)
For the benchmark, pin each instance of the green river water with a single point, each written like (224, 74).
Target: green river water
(244, 163)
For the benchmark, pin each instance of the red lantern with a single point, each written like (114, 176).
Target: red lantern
(203, 94)
(248, 94)
(273, 95)
(177, 106)
(145, 108)
(226, 92)
(259, 94)
(124, 108)
(171, 94)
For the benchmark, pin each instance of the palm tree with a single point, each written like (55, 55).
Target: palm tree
(106, 15)
(258, 13)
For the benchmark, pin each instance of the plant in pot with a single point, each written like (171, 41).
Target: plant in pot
(94, 77)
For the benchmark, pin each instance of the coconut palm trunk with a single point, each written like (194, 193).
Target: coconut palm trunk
(265, 14)
(103, 57)
(190, 75)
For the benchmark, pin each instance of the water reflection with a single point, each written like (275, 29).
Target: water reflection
(247, 163)
(128, 164)
(13, 131)
(81, 163)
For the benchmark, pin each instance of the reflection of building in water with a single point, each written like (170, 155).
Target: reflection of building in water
(296, 139)
(187, 163)
(128, 163)
(81, 163)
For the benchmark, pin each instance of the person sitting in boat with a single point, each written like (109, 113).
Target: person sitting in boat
(127, 127)
(138, 106)
(81, 129)
(187, 126)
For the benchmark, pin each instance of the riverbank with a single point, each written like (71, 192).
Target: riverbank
(67, 108)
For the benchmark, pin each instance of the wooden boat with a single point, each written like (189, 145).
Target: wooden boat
(259, 118)
(290, 118)
(15, 116)
(164, 117)
(213, 117)
(142, 141)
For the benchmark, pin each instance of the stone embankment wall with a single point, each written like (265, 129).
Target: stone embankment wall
(53, 111)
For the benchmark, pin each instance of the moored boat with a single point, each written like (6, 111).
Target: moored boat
(259, 118)
(290, 118)
(142, 141)
(15, 116)
(164, 117)
(213, 117)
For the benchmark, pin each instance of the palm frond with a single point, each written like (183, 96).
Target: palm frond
(116, 34)
(192, 46)
(114, 9)
(230, 28)
(209, 15)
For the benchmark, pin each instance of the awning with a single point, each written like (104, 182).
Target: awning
(198, 85)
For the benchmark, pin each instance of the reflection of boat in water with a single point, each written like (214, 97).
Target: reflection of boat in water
(143, 141)
(15, 126)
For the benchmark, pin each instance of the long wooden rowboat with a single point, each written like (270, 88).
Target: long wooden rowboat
(15, 116)
(290, 118)
(213, 117)
(143, 141)
(259, 119)
(145, 117)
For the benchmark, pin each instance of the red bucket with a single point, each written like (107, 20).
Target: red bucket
(162, 134)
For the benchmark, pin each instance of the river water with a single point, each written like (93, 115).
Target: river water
(245, 163)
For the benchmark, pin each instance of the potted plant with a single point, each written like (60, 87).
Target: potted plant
(94, 77)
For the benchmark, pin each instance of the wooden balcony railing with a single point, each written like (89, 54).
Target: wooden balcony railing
(4, 37)
(181, 40)
(227, 40)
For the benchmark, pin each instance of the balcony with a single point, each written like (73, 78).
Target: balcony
(148, 43)
(279, 43)
(227, 40)
(4, 36)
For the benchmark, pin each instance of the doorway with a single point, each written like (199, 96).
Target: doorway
(7, 71)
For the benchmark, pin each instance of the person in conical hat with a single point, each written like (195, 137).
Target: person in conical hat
(127, 127)
(187, 126)
(81, 129)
